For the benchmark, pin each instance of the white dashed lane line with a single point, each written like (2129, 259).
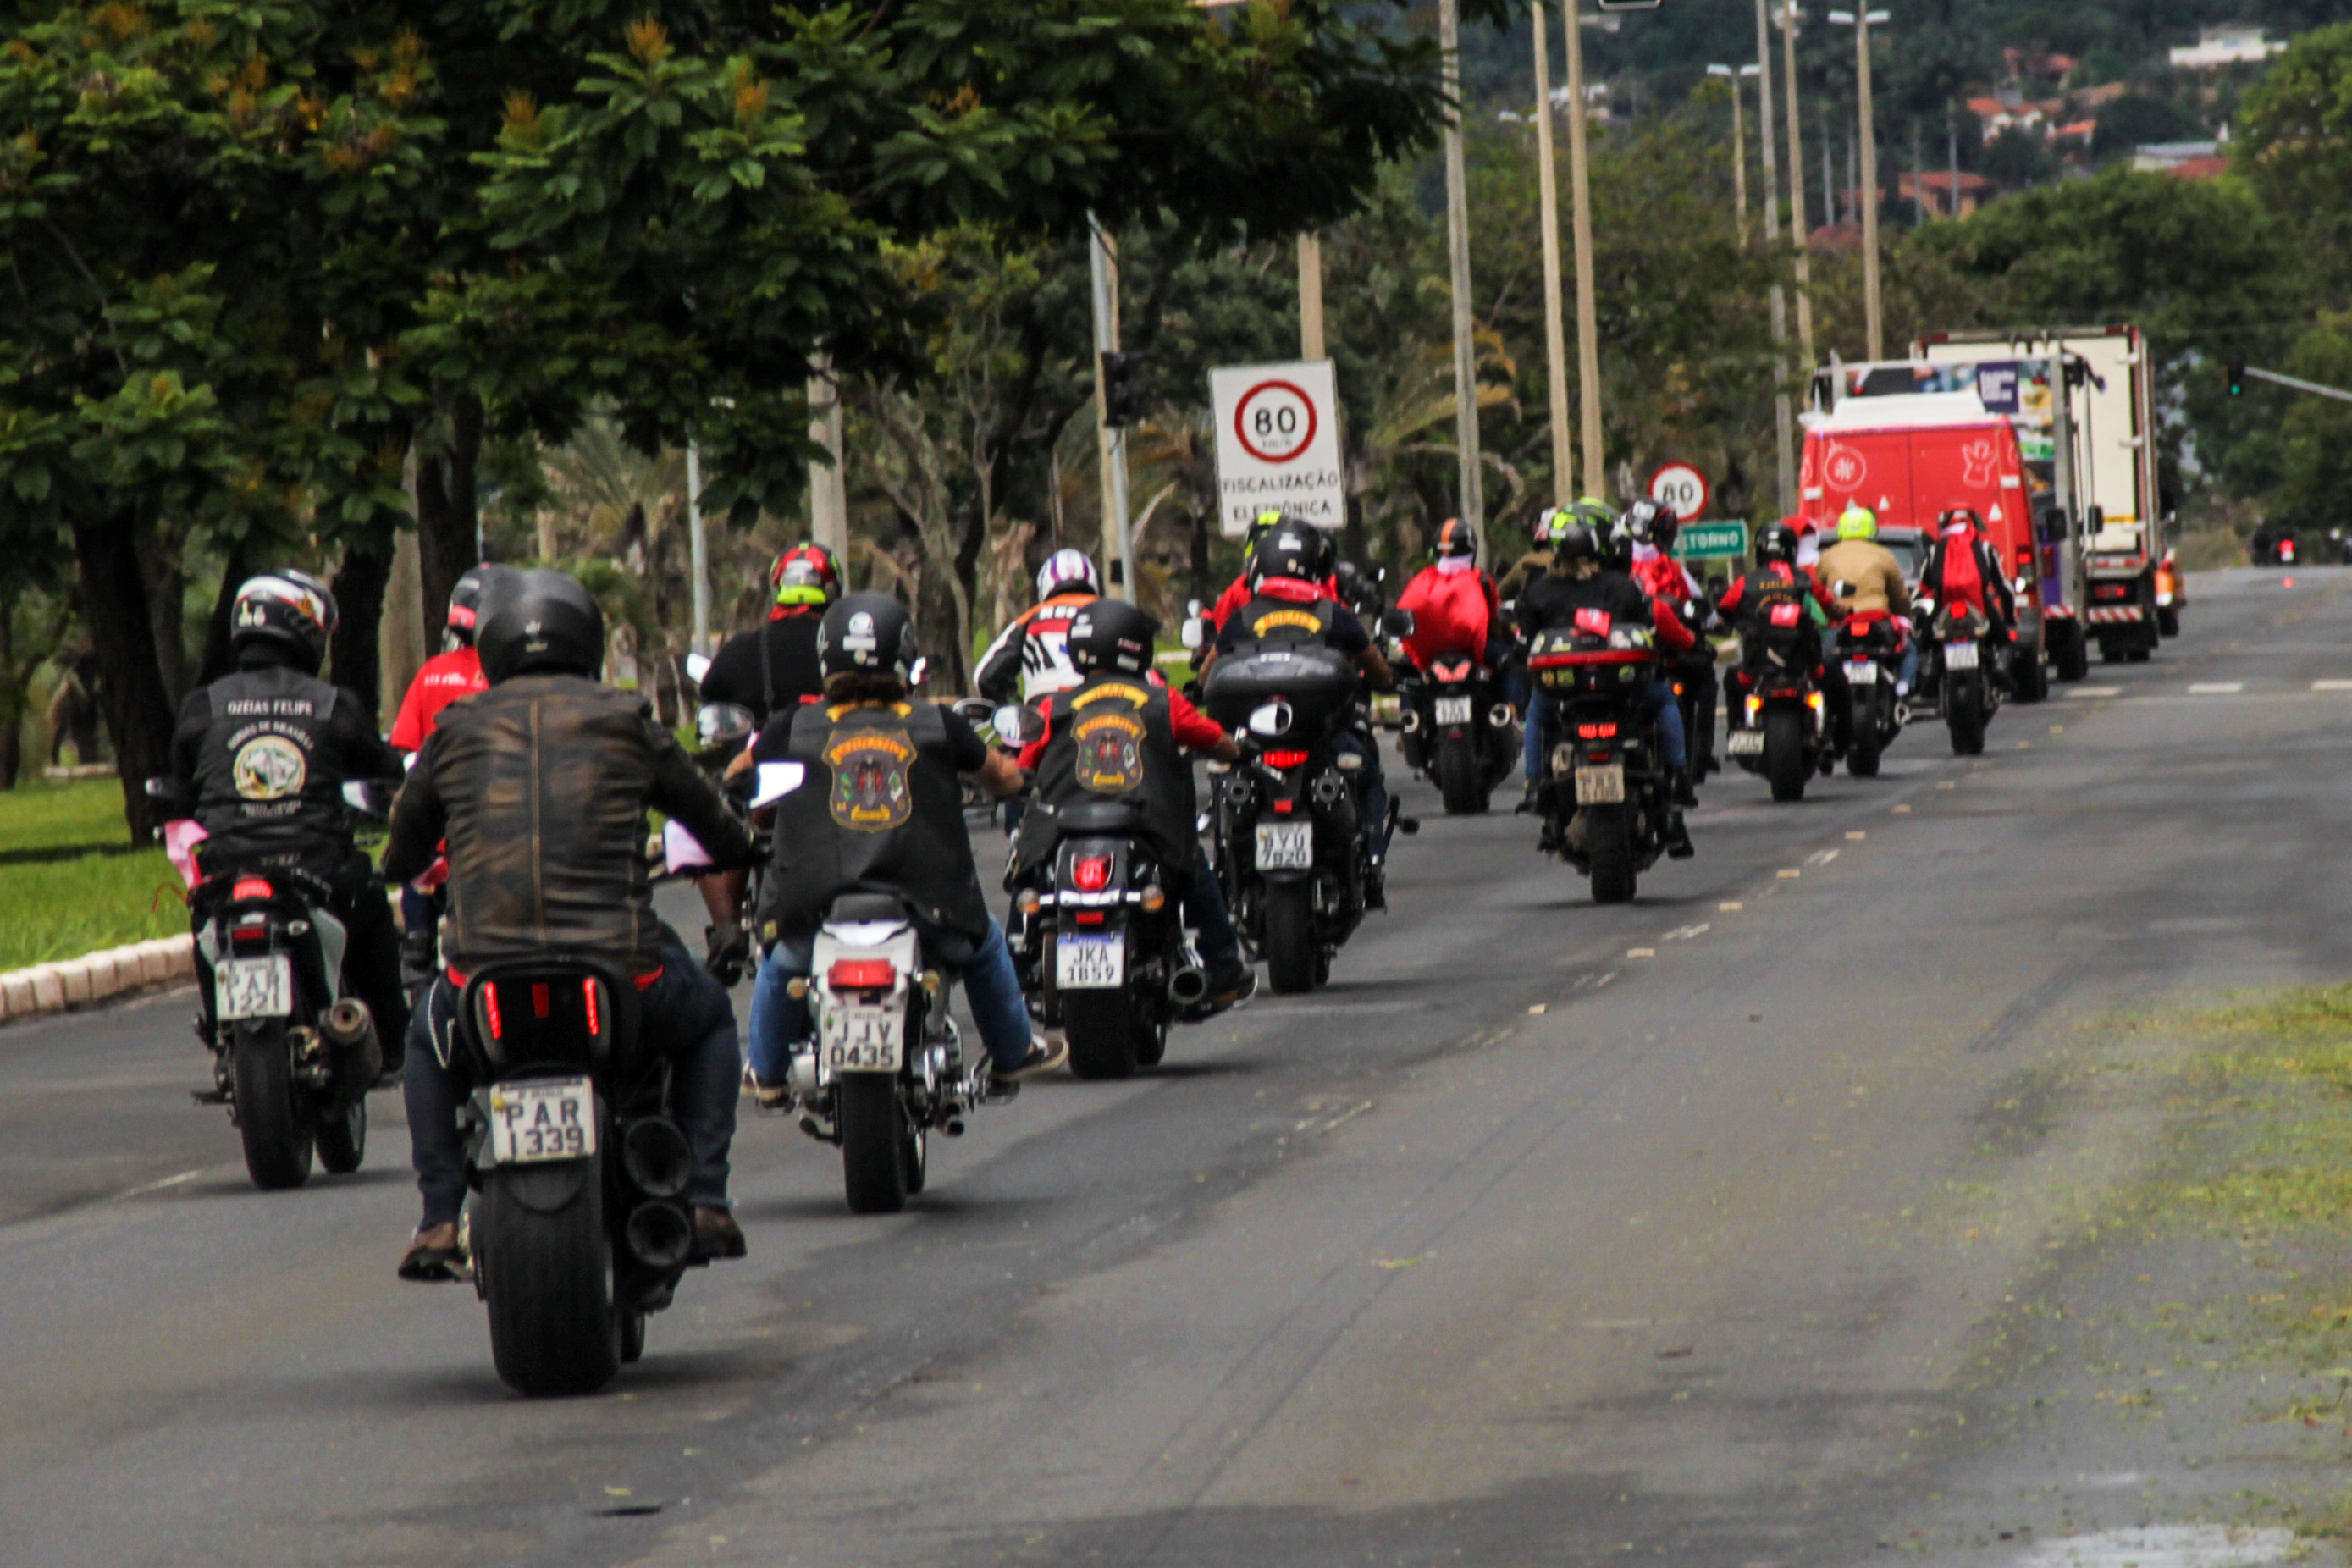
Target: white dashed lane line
(2078, 692)
(2216, 688)
(2332, 685)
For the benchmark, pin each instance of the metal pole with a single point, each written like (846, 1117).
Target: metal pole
(1874, 318)
(1110, 442)
(1784, 418)
(1310, 296)
(1458, 234)
(2300, 386)
(1563, 469)
(1579, 195)
(1800, 232)
(698, 547)
(1739, 157)
(828, 481)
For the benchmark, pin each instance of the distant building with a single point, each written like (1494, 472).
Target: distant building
(1975, 189)
(2168, 157)
(2225, 43)
(1994, 116)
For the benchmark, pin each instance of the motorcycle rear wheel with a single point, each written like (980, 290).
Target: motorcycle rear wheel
(1964, 712)
(1290, 938)
(1784, 753)
(1608, 842)
(874, 1136)
(1103, 1029)
(273, 1116)
(547, 1278)
(1457, 778)
(342, 1139)
(1862, 761)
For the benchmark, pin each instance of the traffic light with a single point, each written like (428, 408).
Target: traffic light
(1122, 376)
(2237, 369)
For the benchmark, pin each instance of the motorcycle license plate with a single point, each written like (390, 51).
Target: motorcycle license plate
(1745, 744)
(546, 1119)
(254, 987)
(1454, 709)
(1960, 656)
(1286, 846)
(862, 1039)
(1089, 963)
(1862, 672)
(1602, 785)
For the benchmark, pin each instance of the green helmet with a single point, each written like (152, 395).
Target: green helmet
(1857, 521)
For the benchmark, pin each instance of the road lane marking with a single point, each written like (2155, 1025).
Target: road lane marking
(2095, 692)
(1856, 833)
(1730, 908)
(1641, 952)
(2216, 688)
(2332, 685)
(1901, 811)
(183, 1179)
(1792, 871)
(1685, 933)
(1948, 784)
(1817, 857)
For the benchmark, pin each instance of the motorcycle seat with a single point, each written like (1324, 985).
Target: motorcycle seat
(850, 908)
(1097, 816)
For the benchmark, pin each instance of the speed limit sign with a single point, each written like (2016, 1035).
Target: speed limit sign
(1278, 444)
(1682, 488)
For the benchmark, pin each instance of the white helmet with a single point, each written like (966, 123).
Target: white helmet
(1064, 569)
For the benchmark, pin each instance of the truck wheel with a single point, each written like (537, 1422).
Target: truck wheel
(1102, 1028)
(1784, 753)
(2168, 622)
(1290, 938)
(2069, 654)
(2033, 676)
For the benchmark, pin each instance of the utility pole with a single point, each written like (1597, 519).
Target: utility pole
(1457, 235)
(1800, 232)
(828, 481)
(1784, 418)
(1580, 193)
(1731, 76)
(1874, 324)
(697, 542)
(1110, 440)
(1563, 471)
(1310, 296)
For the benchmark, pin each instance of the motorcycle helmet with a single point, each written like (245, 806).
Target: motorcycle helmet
(1455, 537)
(869, 632)
(1572, 539)
(1776, 542)
(1293, 551)
(1959, 520)
(1111, 633)
(1857, 521)
(543, 622)
(1641, 520)
(1065, 570)
(291, 610)
(804, 577)
(471, 601)
(1617, 546)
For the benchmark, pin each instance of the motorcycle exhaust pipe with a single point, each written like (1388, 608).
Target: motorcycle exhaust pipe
(1409, 721)
(655, 1157)
(658, 1235)
(1902, 713)
(1188, 985)
(1327, 791)
(350, 1033)
(1500, 717)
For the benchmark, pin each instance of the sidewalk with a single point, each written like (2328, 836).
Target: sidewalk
(95, 977)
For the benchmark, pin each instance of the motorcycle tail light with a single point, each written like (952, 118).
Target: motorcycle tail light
(1286, 759)
(861, 974)
(1458, 669)
(491, 1011)
(1088, 918)
(1093, 872)
(1813, 701)
(588, 995)
(251, 888)
(251, 933)
(1596, 732)
(1755, 706)
(1282, 807)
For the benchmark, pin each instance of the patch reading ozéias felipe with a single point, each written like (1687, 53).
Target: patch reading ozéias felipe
(871, 791)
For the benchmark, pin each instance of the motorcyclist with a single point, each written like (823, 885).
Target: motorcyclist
(1652, 526)
(1866, 579)
(1963, 569)
(541, 785)
(772, 667)
(1291, 605)
(1244, 587)
(1117, 711)
(1580, 577)
(1454, 604)
(879, 808)
(259, 758)
(1749, 603)
(1537, 560)
(1030, 658)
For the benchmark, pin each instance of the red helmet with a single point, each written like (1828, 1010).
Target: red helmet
(804, 577)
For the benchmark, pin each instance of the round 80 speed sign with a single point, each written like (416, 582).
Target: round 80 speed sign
(1681, 487)
(1275, 421)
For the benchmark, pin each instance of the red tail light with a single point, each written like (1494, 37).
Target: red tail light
(1457, 670)
(539, 999)
(1093, 872)
(491, 1006)
(1595, 731)
(1088, 916)
(1286, 759)
(861, 974)
(588, 992)
(251, 888)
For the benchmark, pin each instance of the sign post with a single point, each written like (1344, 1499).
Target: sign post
(1712, 542)
(1278, 444)
(1682, 488)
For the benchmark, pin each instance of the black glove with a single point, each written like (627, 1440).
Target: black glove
(729, 949)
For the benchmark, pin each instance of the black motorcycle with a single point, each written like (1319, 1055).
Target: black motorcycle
(1457, 729)
(1289, 836)
(1777, 725)
(1605, 796)
(1871, 647)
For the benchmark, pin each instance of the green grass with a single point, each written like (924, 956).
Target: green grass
(107, 895)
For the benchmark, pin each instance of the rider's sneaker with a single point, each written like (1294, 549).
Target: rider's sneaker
(1678, 840)
(434, 1256)
(716, 1234)
(1045, 1054)
(1376, 887)
(1231, 985)
(770, 1097)
(1527, 802)
(1679, 781)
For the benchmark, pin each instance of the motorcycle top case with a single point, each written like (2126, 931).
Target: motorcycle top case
(1318, 682)
(1568, 658)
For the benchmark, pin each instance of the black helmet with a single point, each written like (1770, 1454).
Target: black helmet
(1641, 519)
(1111, 633)
(466, 610)
(868, 632)
(1572, 542)
(1294, 550)
(1777, 542)
(1617, 546)
(291, 610)
(1455, 537)
(541, 623)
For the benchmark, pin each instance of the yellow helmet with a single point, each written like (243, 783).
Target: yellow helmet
(1857, 521)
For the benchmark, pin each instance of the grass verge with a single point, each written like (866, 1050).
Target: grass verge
(70, 878)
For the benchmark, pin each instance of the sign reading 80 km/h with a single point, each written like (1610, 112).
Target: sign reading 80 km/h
(1278, 444)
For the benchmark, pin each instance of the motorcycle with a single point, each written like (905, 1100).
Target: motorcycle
(1960, 674)
(1458, 729)
(1289, 841)
(1604, 795)
(1870, 644)
(1779, 730)
(579, 1227)
(293, 1054)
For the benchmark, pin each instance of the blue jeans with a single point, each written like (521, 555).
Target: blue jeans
(1204, 901)
(685, 1016)
(1659, 706)
(1373, 791)
(779, 1019)
(1908, 674)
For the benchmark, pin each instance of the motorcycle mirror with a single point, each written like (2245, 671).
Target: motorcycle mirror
(1270, 719)
(364, 796)
(915, 676)
(778, 780)
(159, 789)
(1397, 623)
(1192, 633)
(697, 667)
(1018, 725)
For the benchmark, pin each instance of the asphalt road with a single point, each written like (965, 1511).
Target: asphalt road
(1547, 1234)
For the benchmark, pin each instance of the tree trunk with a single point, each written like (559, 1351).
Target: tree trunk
(217, 661)
(448, 531)
(131, 688)
(12, 701)
(159, 557)
(358, 596)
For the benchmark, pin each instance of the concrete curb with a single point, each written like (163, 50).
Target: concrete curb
(94, 977)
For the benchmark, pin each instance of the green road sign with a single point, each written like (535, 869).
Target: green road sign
(1711, 541)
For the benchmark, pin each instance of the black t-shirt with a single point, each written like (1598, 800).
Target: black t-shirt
(1347, 633)
(965, 748)
(1550, 600)
(791, 675)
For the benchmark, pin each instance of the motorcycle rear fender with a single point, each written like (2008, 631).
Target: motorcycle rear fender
(547, 1186)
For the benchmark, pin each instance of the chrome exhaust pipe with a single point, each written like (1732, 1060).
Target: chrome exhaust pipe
(349, 1030)
(658, 1235)
(1500, 717)
(1408, 723)
(1188, 985)
(1902, 713)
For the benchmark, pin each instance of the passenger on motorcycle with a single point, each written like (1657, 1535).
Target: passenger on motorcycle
(1749, 603)
(1242, 588)
(1871, 583)
(1454, 604)
(259, 758)
(1150, 727)
(1291, 605)
(1538, 561)
(1652, 526)
(541, 785)
(1030, 658)
(879, 808)
(1580, 577)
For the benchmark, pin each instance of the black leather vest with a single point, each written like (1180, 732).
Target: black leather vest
(1112, 740)
(1278, 623)
(879, 809)
(270, 775)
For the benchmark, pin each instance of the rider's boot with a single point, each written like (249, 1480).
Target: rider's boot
(1679, 785)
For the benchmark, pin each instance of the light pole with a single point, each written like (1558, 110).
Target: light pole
(1580, 197)
(1875, 326)
(1564, 469)
(1783, 417)
(1738, 139)
(1110, 440)
(1798, 232)
(1457, 237)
